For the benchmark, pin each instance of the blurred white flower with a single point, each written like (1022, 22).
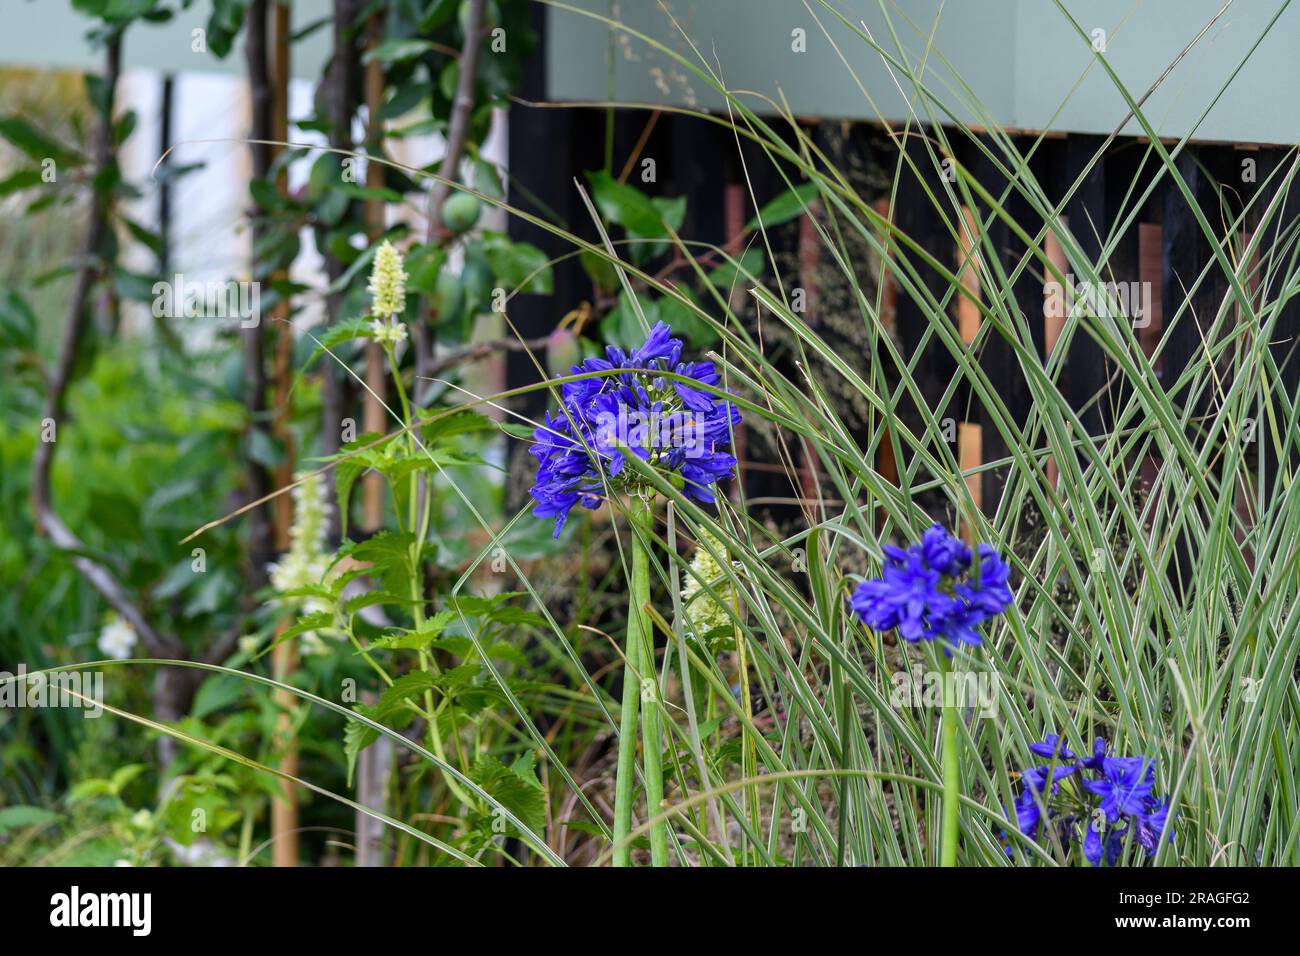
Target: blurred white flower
(708, 615)
(117, 639)
(306, 563)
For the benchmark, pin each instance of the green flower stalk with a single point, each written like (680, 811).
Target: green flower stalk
(938, 589)
(951, 828)
(645, 404)
(638, 684)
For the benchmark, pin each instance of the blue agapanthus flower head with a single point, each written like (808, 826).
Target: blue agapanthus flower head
(1111, 800)
(935, 589)
(633, 407)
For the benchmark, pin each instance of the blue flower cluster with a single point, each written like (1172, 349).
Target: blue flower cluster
(681, 430)
(1116, 790)
(930, 591)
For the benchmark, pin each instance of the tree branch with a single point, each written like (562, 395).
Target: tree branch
(482, 350)
(258, 480)
(462, 113)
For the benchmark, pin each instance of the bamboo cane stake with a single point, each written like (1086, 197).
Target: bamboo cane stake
(284, 659)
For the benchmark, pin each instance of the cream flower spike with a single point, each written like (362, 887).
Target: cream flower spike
(387, 283)
(706, 613)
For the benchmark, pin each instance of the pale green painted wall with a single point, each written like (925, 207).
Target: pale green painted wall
(1022, 58)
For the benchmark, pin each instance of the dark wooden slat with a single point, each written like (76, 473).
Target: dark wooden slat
(1086, 368)
(916, 215)
(1125, 177)
(1281, 238)
(1025, 305)
(1188, 251)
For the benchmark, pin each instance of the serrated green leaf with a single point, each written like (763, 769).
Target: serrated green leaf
(356, 738)
(418, 639)
(396, 695)
(517, 791)
(340, 332)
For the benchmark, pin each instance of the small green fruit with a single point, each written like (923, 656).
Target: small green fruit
(460, 212)
(491, 16)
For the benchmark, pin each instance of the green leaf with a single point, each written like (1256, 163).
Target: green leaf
(418, 639)
(465, 422)
(348, 470)
(731, 273)
(487, 179)
(17, 817)
(627, 206)
(267, 195)
(393, 51)
(789, 205)
(372, 598)
(84, 790)
(672, 209)
(503, 651)
(122, 776)
(395, 696)
(516, 788)
(356, 738)
(340, 332)
(309, 622)
(388, 555)
(473, 605)
(215, 694)
(599, 269)
(516, 430)
(146, 236)
(23, 179)
(423, 266)
(33, 142)
(17, 320)
(622, 326)
(686, 323)
(518, 265)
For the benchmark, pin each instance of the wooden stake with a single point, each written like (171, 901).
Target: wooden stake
(373, 762)
(284, 659)
(970, 435)
(372, 417)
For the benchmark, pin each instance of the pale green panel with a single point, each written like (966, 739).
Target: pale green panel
(750, 43)
(1023, 61)
(1142, 40)
(50, 34)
